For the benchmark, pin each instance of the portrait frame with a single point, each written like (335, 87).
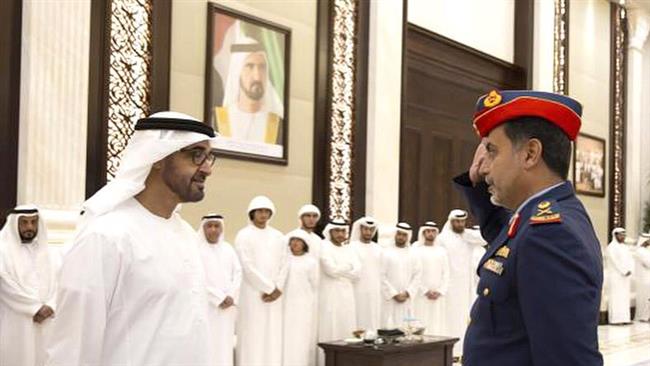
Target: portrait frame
(589, 158)
(232, 29)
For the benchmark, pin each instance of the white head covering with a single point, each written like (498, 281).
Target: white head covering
(300, 234)
(208, 218)
(455, 214)
(618, 230)
(259, 203)
(356, 228)
(244, 47)
(309, 208)
(447, 232)
(643, 237)
(148, 145)
(403, 227)
(334, 224)
(14, 267)
(427, 226)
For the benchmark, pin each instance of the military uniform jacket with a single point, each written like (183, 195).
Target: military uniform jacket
(540, 282)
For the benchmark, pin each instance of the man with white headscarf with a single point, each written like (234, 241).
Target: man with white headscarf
(429, 300)
(621, 267)
(308, 217)
(263, 256)
(132, 287)
(252, 111)
(27, 288)
(367, 289)
(462, 249)
(643, 278)
(401, 273)
(300, 303)
(340, 267)
(223, 278)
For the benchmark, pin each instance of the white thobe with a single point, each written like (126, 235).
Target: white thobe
(223, 279)
(620, 262)
(22, 339)
(643, 284)
(401, 271)
(132, 292)
(248, 126)
(263, 256)
(367, 289)
(337, 318)
(462, 284)
(299, 337)
(435, 278)
(315, 243)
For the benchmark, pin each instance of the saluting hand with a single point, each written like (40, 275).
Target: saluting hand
(475, 169)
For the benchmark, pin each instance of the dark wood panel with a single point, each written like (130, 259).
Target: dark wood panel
(442, 82)
(97, 132)
(10, 51)
(410, 177)
(524, 37)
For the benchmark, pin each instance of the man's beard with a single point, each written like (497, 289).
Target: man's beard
(255, 91)
(458, 230)
(27, 239)
(187, 192)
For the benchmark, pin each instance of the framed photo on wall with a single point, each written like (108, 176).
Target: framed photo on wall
(247, 85)
(589, 165)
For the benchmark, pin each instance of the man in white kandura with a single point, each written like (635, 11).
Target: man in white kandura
(132, 287)
(263, 256)
(401, 273)
(462, 250)
(429, 301)
(367, 289)
(223, 278)
(621, 267)
(27, 288)
(308, 217)
(340, 267)
(643, 278)
(299, 336)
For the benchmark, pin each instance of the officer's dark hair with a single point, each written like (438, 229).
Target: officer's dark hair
(556, 146)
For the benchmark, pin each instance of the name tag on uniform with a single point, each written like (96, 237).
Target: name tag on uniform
(503, 252)
(494, 266)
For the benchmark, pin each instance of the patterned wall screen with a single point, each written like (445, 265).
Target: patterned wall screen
(129, 84)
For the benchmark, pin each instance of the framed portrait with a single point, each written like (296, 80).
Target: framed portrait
(247, 85)
(589, 165)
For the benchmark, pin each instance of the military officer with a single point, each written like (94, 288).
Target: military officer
(541, 278)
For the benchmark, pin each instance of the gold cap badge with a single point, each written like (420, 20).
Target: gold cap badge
(492, 99)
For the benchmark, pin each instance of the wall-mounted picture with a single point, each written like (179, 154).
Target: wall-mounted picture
(247, 85)
(589, 165)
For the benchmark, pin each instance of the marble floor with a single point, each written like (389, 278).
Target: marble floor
(625, 345)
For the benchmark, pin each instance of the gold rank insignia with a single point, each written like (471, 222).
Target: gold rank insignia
(503, 252)
(545, 214)
(494, 266)
(492, 99)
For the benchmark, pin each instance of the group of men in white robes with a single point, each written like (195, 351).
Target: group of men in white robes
(139, 286)
(627, 264)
